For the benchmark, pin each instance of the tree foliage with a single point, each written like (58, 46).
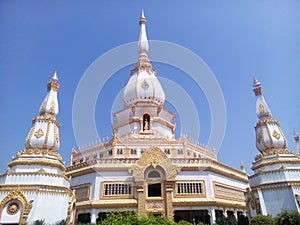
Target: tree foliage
(287, 218)
(261, 220)
(230, 220)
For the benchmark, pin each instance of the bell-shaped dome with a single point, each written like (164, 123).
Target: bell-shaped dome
(143, 84)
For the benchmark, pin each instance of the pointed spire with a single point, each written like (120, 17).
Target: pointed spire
(262, 108)
(44, 133)
(50, 103)
(143, 41)
(54, 76)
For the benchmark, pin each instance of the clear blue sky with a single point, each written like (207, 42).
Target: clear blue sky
(236, 39)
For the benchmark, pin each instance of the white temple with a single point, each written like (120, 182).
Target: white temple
(145, 169)
(275, 185)
(35, 186)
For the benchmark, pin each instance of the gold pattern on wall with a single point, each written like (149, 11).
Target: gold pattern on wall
(18, 196)
(13, 208)
(39, 133)
(276, 134)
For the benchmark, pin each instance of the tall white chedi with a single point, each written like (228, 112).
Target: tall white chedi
(276, 180)
(34, 186)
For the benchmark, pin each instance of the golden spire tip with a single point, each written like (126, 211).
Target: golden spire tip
(54, 76)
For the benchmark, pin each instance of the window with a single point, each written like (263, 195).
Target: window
(81, 160)
(117, 189)
(146, 122)
(119, 151)
(154, 174)
(189, 188)
(142, 151)
(95, 156)
(82, 192)
(133, 151)
(101, 155)
(154, 190)
(167, 151)
(110, 152)
(180, 151)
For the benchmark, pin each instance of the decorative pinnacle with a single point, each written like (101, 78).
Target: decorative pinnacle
(296, 135)
(255, 82)
(258, 90)
(143, 18)
(54, 76)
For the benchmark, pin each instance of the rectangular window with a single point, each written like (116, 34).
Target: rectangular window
(110, 152)
(82, 192)
(101, 155)
(133, 151)
(95, 156)
(119, 151)
(189, 188)
(167, 151)
(180, 151)
(117, 189)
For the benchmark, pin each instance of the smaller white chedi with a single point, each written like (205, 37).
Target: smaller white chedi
(35, 186)
(276, 180)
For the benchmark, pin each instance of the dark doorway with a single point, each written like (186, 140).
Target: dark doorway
(192, 216)
(154, 190)
(84, 218)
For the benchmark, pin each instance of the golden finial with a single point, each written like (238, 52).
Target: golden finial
(255, 81)
(143, 18)
(54, 76)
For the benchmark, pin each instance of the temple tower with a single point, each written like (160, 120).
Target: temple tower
(276, 179)
(34, 186)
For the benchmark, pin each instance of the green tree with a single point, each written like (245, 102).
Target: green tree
(121, 218)
(230, 220)
(39, 222)
(183, 222)
(261, 220)
(287, 218)
(155, 220)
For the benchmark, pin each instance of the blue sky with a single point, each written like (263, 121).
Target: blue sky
(236, 39)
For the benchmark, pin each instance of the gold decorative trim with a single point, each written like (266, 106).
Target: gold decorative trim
(52, 85)
(20, 197)
(13, 208)
(39, 172)
(39, 133)
(230, 196)
(275, 161)
(71, 205)
(46, 118)
(38, 162)
(37, 151)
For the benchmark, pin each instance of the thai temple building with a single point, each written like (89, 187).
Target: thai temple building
(144, 168)
(35, 186)
(275, 185)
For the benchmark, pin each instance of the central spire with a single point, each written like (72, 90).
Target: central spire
(143, 47)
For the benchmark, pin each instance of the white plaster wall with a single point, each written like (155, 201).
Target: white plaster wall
(277, 200)
(36, 179)
(35, 168)
(51, 207)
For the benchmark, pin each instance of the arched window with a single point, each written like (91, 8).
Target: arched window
(154, 187)
(146, 122)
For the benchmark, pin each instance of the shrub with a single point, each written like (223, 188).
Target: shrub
(287, 218)
(230, 220)
(261, 220)
(183, 222)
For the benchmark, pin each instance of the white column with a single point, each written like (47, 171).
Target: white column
(235, 214)
(212, 215)
(262, 202)
(93, 216)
